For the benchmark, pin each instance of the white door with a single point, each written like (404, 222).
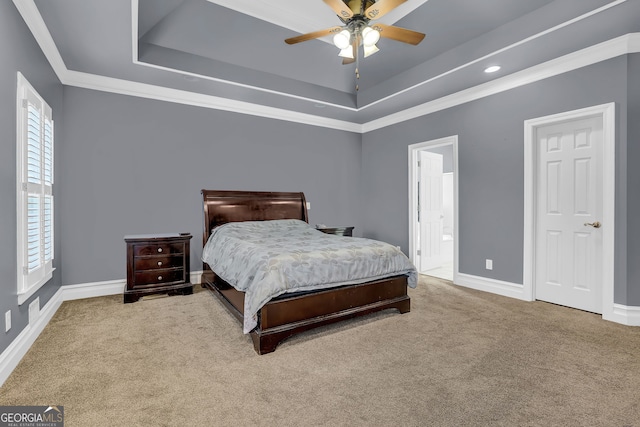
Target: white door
(430, 210)
(568, 250)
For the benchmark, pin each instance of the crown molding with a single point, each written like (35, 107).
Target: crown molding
(38, 28)
(633, 41)
(136, 61)
(160, 93)
(629, 43)
(622, 45)
(242, 6)
(245, 86)
(499, 51)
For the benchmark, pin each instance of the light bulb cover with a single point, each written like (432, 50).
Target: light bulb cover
(342, 40)
(346, 52)
(370, 36)
(492, 69)
(369, 50)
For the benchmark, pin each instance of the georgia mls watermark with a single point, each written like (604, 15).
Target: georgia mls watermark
(31, 416)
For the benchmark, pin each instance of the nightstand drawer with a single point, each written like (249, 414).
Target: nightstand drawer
(158, 249)
(156, 262)
(158, 276)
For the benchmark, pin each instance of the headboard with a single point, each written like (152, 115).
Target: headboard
(221, 207)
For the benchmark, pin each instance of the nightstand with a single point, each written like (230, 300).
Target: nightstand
(338, 231)
(157, 264)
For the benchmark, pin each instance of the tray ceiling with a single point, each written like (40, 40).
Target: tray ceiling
(234, 49)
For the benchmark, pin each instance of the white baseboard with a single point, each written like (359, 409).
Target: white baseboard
(196, 277)
(111, 287)
(493, 286)
(92, 290)
(624, 314)
(13, 354)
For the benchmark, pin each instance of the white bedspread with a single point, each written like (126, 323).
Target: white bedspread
(265, 259)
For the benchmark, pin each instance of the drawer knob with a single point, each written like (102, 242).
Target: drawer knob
(159, 249)
(159, 277)
(159, 263)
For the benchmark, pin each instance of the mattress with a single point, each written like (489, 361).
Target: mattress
(265, 259)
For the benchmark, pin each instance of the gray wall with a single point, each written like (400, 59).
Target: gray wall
(19, 52)
(491, 179)
(131, 165)
(633, 180)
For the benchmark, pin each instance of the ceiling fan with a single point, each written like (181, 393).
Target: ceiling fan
(356, 16)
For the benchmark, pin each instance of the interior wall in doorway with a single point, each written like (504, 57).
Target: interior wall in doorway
(448, 231)
(447, 153)
(447, 200)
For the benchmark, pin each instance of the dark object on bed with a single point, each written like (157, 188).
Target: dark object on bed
(338, 231)
(290, 314)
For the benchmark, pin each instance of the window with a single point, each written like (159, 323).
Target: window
(34, 190)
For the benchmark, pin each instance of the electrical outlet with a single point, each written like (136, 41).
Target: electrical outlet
(489, 264)
(7, 321)
(308, 206)
(34, 310)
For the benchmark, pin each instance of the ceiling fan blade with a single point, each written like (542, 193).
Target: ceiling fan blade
(340, 8)
(314, 35)
(382, 7)
(399, 34)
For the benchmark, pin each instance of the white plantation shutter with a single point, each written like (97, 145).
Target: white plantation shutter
(47, 176)
(35, 191)
(33, 234)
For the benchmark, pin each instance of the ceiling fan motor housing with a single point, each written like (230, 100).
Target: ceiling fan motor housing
(359, 6)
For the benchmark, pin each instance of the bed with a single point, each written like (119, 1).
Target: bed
(293, 311)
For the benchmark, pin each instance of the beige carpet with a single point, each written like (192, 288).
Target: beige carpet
(459, 358)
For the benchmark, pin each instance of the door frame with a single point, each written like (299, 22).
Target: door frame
(607, 113)
(413, 195)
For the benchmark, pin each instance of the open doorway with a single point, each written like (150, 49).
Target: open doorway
(433, 207)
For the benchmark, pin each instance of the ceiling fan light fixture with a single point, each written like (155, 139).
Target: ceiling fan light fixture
(370, 36)
(355, 29)
(342, 40)
(369, 50)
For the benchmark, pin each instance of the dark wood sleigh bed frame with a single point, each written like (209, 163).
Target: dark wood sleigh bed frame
(293, 313)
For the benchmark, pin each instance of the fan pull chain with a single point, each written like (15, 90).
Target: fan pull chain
(357, 63)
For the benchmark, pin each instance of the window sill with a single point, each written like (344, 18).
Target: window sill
(23, 297)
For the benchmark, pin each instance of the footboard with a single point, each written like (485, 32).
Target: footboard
(291, 314)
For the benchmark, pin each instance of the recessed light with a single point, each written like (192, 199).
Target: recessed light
(492, 69)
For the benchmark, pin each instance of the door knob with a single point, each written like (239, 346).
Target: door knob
(593, 224)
